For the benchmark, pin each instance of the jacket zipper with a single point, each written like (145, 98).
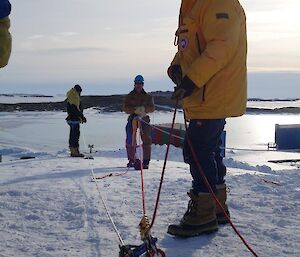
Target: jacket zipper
(199, 50)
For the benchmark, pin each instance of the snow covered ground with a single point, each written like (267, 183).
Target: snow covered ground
(50, 207)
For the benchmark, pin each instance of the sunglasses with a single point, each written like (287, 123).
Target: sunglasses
(139, 83)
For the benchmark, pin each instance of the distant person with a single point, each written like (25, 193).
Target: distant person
(137, 104)
(75, 117)
(5, 37)
(210, 72)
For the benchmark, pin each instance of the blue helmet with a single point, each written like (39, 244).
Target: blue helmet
(139, 79)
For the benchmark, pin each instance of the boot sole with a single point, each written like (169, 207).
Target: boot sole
(192, 231)
(222, 219)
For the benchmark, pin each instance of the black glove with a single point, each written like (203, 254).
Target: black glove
(175, 73)
(184, 89)
(83, 119)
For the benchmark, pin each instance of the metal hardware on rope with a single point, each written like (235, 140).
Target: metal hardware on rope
(211, 191)
(146, 249)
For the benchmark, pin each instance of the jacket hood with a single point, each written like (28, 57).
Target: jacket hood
(73, 97)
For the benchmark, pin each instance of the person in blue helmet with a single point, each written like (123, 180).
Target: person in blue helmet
(138, 104)
(5, 37)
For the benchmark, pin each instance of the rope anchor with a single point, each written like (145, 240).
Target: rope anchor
(147, 248)
(90, 147)
(144, 227)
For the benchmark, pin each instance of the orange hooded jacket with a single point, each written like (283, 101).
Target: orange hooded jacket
(212, 52)
(5, 41)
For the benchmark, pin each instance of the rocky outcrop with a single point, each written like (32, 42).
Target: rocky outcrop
(113, 103)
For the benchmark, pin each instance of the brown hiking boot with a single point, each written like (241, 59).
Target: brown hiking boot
(75, 152)
(222, 197)
(199, 218)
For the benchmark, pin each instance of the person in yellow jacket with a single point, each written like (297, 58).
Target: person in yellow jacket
(209, 70)
(75, 117)
(5, 37)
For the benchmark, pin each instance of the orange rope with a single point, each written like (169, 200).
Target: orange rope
(141, 167)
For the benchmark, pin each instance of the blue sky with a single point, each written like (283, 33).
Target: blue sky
(103, 44)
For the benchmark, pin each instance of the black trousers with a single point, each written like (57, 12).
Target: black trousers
(74, 133)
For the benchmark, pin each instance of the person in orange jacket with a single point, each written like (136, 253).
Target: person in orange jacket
(5, 36)
(210, 73)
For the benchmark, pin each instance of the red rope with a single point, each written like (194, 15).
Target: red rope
(211, 191)
(164, 167)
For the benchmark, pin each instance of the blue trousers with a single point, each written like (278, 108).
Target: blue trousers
(205, 137)
(74, 133)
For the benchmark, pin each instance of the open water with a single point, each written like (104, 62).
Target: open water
(107, 130)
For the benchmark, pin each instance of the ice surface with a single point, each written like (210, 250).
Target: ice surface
(50, 207)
